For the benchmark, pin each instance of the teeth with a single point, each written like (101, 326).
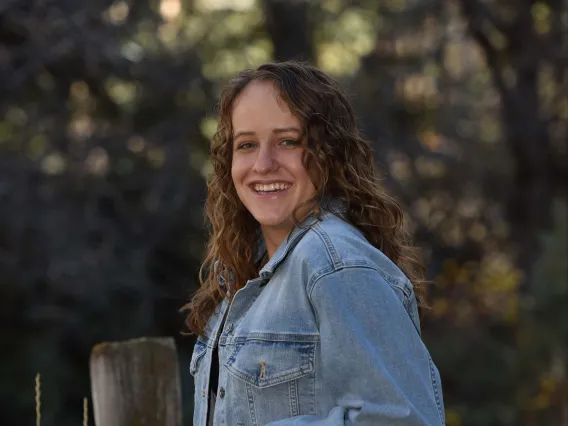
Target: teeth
(271, 187)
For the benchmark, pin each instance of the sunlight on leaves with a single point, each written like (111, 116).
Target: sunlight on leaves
(211, 5)
(53, 164)
(156, 157)
(208, 127)
(452, 232)
(440, 308)
(332, 6)
(396, 5)
(357, 27)
(79, 92)
(496, 286)
(122, 92)
(237, 24)
(225, 63)
(418, 88)
(541, 17)
(145, 38)
(399, 168)
(453, 418)
(207, 169)
(16, 116)
(345, 40)
(135, 144)
(194, 28)
(430, 168)
(430, 140)
(117, 13)
(336, 59)
(80, 127)
(97, 162)
(453, 62)
(478, 232)
(497, 39)
(6, 131)
(421, 208)
(132, 51)
(170, 9)
(469, 207)
(168, 34)
(45, 81)
(548, 87)
(258, 52)
(233, 27)
(489, 129)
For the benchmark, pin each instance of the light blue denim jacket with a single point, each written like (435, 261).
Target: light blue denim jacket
(328, 335)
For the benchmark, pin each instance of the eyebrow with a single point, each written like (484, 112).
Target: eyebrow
(275, 131)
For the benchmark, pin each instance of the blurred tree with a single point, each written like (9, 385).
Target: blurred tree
(105, 114)
(520, 43)
(282, 16)
(98, 187)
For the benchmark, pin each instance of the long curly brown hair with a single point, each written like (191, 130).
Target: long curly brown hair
(341, 167)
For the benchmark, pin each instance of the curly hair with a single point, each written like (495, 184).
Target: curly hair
(339, 162)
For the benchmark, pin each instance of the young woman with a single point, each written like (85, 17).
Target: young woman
(307, 313)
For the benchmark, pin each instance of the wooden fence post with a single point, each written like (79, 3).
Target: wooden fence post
(136, 383)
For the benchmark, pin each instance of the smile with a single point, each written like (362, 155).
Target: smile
(271, 188)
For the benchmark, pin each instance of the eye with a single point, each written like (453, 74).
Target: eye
(245, 145)
(290, 142)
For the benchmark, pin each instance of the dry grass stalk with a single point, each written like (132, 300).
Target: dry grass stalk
(38, 399)
(85, 412)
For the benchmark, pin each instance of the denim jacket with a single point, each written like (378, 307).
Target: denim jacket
(327, 335)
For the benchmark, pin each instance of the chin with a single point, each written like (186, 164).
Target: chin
(270, 221)
(275, 221)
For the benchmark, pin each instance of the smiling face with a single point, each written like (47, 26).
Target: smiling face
(267, 169)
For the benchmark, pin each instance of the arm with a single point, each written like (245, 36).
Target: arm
(373, 361)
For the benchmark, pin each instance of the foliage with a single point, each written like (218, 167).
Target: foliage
(105, 113)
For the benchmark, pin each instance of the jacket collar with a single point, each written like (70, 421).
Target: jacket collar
(328, 207)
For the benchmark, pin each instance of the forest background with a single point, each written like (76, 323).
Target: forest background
(106, 112)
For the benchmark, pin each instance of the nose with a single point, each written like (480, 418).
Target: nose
(264, 161)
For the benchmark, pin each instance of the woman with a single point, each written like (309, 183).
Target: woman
(307, 313)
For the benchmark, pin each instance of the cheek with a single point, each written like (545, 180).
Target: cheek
(236, 171)
(300, 171)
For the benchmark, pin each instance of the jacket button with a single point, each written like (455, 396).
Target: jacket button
(221, 392)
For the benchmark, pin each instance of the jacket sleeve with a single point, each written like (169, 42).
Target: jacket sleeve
(373, 361)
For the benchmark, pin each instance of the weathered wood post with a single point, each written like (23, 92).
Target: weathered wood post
(136, 383)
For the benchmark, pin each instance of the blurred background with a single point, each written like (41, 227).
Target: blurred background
(106, 112)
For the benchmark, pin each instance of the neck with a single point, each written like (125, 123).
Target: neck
(273, 238)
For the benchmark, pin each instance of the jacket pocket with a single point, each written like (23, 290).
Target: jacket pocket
(264, 363)
(198, 352)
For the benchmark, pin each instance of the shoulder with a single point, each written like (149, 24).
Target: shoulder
(332, 245)
(339, 263)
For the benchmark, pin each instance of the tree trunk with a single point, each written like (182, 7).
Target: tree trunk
(530, 198)
(288, 24)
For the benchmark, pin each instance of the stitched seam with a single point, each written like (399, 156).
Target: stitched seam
(270, 337)
(251, 405)
(435, 388)
(306, 367)
(336, 261)
(196, 359)
(270, 382)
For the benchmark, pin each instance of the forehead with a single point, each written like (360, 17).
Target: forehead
(260, 105)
